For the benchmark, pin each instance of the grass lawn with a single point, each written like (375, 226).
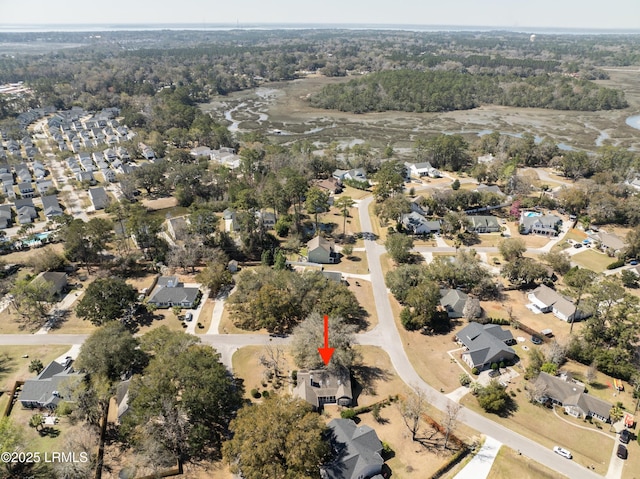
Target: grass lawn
(586, 441)
(246, 365)
(15, 367)
(509, 464)
(379, 230)
(426, 351)
(355, 264)
(355, 193)
(592, 260)
(205, 316)
(163, 317)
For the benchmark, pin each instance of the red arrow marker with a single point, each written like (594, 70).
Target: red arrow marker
(326, 352)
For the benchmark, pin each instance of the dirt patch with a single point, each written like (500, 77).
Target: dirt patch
(160, 203)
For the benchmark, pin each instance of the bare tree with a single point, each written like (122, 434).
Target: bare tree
(83, 442)
(536, 390)
(450, 420)
(273, 361)
(591, 372)
(472, 309)
(411, 409)
(556, 353)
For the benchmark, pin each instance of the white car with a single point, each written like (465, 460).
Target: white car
(562, 452)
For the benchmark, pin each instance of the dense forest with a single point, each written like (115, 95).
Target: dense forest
(129, 69)
(435, 91)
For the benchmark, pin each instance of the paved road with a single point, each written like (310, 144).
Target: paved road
(386, 335)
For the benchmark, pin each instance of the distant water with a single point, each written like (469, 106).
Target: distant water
(104, 27)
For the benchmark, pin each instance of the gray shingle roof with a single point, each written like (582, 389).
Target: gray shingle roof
(570, 393)
(486, 343)
(358, 451)
(319, 383)
(44, 390)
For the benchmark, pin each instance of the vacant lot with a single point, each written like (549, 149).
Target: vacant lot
(588, 446)
(509, 464)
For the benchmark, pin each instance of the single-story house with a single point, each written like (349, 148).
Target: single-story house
(422, 169)
(201, 151)
(417, 224)
(332, 185)
(320, 250)
(177, 227)
(86, 176)
(482, 188)
(56, 282)
(484, 224)
(267, 219)
(485, 345)
(358, 452)
(319, 387)
(230, 221)
(486, 159)
(571, 396)
(46, 390)
(7, 179)
(170, 292)
(357, 174)
(51, 207)
(5, 216)
(120, 402)
(99, 198)
(610, 241)
(546, 225)
(416, 205)
(453, 302)
(545, 300)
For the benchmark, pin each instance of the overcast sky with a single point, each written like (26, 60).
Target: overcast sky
(603, 14)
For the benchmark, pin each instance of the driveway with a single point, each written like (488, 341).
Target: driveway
(480, 466)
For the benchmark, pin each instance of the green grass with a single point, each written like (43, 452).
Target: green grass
(593, 260)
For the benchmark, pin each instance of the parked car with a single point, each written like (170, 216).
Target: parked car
(188, 316)
(536, 340)
(622, 452)
(563, 452)
(633, 262)
(577, 245)
(625, 435)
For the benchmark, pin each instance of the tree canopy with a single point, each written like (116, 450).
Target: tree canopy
(280, 438)
(106, 299)
(184, 398)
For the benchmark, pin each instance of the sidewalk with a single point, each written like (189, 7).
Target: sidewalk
(480, 466)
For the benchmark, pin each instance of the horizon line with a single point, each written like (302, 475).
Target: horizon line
(310, 25)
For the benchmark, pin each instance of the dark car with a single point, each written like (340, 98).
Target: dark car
(536, 340)
(622, 452)
(577, 245)
(625, 435)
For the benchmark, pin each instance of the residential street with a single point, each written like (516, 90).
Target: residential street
(384, 335)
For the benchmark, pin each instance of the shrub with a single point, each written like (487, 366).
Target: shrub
(475, 371)
(294, 374)
(501, 364)
(616, 264)
(465, 380)
(386, 449)
(347, 413)
(255, 393)
(494, 366)
(265, 394)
